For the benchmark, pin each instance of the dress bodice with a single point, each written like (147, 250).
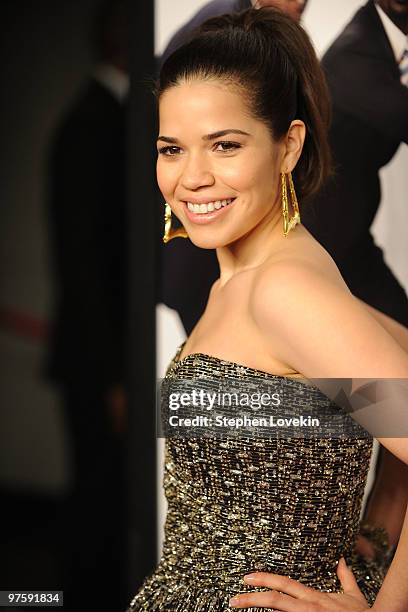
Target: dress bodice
(237, 505)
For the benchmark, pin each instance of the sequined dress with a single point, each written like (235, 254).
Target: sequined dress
(236, 506)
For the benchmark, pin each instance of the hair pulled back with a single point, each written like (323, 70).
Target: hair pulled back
(271, 58)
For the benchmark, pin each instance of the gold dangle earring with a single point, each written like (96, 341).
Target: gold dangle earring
(169, 234)
(289, 224)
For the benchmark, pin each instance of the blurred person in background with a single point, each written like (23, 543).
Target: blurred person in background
(367, 73)
(86, 358)
(183, 264)
(366, 69)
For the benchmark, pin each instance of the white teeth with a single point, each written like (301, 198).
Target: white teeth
(210, 207)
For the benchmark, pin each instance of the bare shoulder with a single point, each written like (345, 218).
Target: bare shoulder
(305, 311)
(295, 276)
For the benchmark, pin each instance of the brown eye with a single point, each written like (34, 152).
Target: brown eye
(169, 151)
(228, 146)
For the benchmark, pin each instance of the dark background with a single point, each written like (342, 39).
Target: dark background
(45, 56)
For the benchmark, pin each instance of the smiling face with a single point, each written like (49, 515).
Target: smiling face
(218, 167)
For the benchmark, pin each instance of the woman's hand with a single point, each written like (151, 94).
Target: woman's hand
(296, 597)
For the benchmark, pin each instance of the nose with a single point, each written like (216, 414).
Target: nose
(196, 173)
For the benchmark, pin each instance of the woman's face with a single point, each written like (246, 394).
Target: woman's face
(218, 167)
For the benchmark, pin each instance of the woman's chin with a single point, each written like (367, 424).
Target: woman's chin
(205, 243)
(207, 240)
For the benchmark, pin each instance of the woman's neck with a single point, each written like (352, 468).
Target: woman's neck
(253, 249)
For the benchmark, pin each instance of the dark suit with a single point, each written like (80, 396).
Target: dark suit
(211, 9)
(86, 352)
(370, 121)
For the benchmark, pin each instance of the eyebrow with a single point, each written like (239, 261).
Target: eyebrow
(207, 136)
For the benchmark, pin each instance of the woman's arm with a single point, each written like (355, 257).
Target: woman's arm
(388, 499)
(394, 328)
(317, 327)
(393, 595)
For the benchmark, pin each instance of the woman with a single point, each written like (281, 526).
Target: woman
(242, 106)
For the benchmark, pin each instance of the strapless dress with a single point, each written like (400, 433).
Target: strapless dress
(289, 506)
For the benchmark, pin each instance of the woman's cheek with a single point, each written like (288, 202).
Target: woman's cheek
(165, 180)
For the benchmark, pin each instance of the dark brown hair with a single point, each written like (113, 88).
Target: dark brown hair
(273, 61)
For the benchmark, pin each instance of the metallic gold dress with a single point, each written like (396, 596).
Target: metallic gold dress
(236, 506)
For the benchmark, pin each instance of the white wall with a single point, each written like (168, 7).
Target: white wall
(323, 19)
